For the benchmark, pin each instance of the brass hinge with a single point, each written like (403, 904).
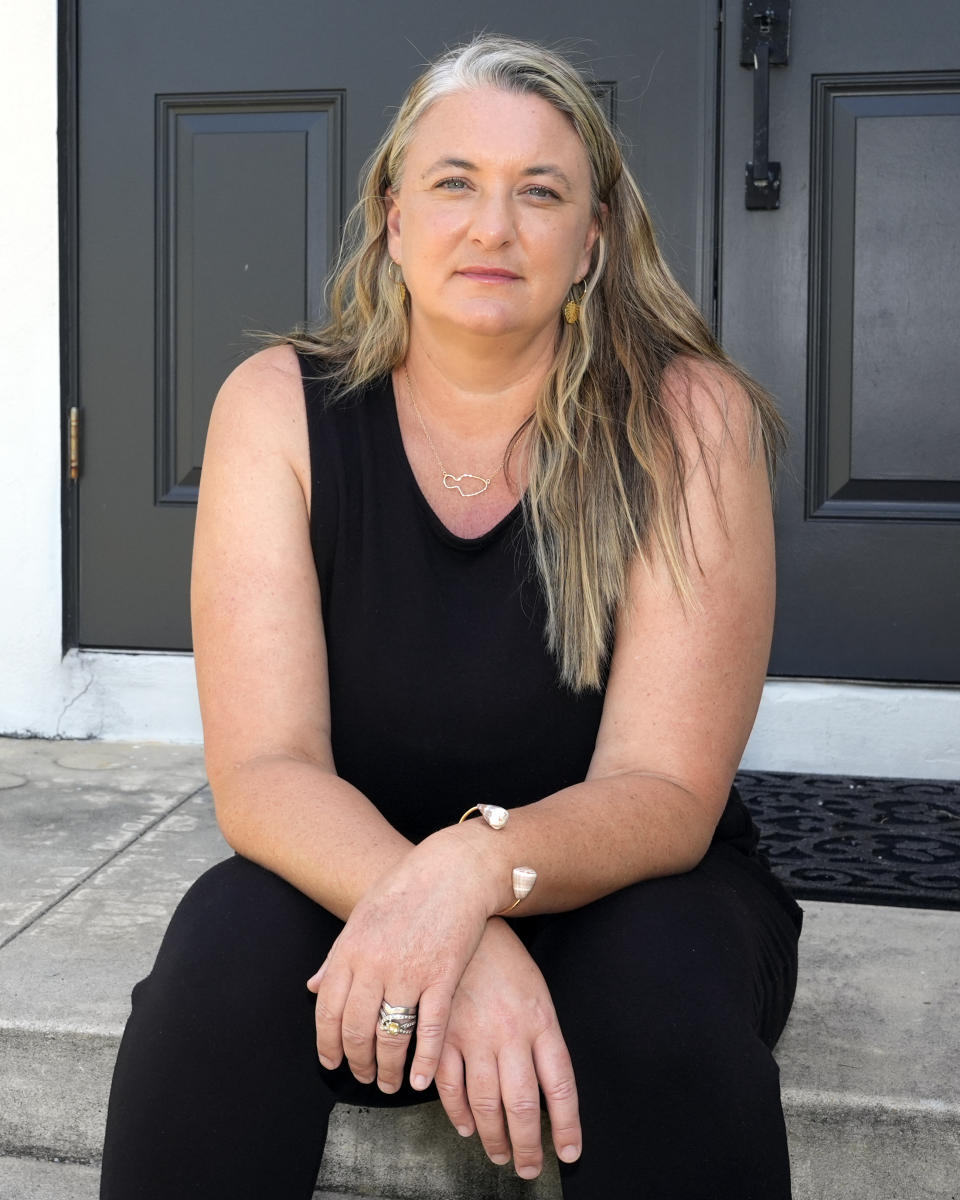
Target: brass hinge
(74, 443)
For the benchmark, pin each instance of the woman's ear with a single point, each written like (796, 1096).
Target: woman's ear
(593, 232)
(393, 223)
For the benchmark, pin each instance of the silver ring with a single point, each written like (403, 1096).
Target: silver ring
(398, 1010)
(397, 1019)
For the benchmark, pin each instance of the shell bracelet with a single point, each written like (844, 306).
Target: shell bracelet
(523, 878)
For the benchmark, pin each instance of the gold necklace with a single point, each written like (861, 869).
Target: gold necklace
(450, 481)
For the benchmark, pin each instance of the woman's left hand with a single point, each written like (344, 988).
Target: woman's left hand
(406, 942)
(503, 1048)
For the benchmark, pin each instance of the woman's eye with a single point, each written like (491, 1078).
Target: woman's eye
(540, 192)
(453, 185)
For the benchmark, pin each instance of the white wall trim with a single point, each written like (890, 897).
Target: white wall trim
(128, 697)
(835, 728)
(817, 726)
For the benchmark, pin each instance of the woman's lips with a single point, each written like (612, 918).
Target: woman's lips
(488, 274)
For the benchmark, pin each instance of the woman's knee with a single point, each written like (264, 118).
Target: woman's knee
(239, 930)
(664, 970)
(658, 936)
(656, 989)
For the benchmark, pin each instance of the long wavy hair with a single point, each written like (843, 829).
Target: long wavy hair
(605, 472)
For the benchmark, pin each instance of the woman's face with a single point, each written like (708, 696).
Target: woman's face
(492, 220)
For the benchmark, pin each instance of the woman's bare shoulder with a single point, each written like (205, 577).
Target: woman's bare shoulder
(259, 411)
(709, 406)
(267, 383)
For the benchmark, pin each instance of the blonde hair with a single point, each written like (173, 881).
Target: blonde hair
(605, 472)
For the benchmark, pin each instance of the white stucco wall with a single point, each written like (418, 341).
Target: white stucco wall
(803, 725)
(31, 676)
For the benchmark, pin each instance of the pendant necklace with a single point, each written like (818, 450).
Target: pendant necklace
(452, 482)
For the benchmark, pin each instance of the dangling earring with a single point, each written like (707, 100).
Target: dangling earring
(398, 280)
(571, 310)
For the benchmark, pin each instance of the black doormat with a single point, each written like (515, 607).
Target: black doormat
(870, 841)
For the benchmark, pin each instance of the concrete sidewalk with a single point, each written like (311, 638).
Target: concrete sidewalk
(97, 843)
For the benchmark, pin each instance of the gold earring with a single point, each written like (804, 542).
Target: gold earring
(398, 280)
(571, 310)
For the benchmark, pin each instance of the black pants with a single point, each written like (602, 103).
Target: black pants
(670, 995)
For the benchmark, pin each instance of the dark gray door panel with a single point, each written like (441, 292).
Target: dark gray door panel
(845, 302)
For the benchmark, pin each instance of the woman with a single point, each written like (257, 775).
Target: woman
(500, 535)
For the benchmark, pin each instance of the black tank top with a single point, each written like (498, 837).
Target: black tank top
(443, 694)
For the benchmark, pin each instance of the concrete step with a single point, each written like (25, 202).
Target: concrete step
(31, 1179)
(98, 843)
(28, 1179)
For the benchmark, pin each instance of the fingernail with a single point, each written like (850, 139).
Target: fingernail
(327, 1062)
(389, 1088)
(530, 1172)
(570, 1153)
(500, 1159)
(420, 1082)
(464, 1130)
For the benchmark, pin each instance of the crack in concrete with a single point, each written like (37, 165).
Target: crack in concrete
(42, 912)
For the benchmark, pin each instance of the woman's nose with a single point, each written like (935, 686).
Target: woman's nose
(494, 222)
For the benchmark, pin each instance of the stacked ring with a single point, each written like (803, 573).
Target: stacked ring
(397, 1019)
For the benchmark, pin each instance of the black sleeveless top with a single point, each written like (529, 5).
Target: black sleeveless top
(443, 694)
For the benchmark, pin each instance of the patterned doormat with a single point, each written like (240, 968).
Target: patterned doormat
(870, 841)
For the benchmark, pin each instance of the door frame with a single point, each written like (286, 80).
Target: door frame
(69, 166)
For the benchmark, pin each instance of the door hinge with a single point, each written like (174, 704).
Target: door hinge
(74, 442)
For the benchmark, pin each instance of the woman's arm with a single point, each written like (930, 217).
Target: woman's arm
(684, 687)
(260, 652)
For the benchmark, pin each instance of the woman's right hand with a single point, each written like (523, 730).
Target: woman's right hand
(503, 1047)
(406, 942)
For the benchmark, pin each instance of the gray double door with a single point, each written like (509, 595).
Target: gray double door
(218, 147)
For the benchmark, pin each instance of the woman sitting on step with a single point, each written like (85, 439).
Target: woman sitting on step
(482, 599)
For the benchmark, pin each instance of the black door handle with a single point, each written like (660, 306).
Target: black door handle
(765, 42)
